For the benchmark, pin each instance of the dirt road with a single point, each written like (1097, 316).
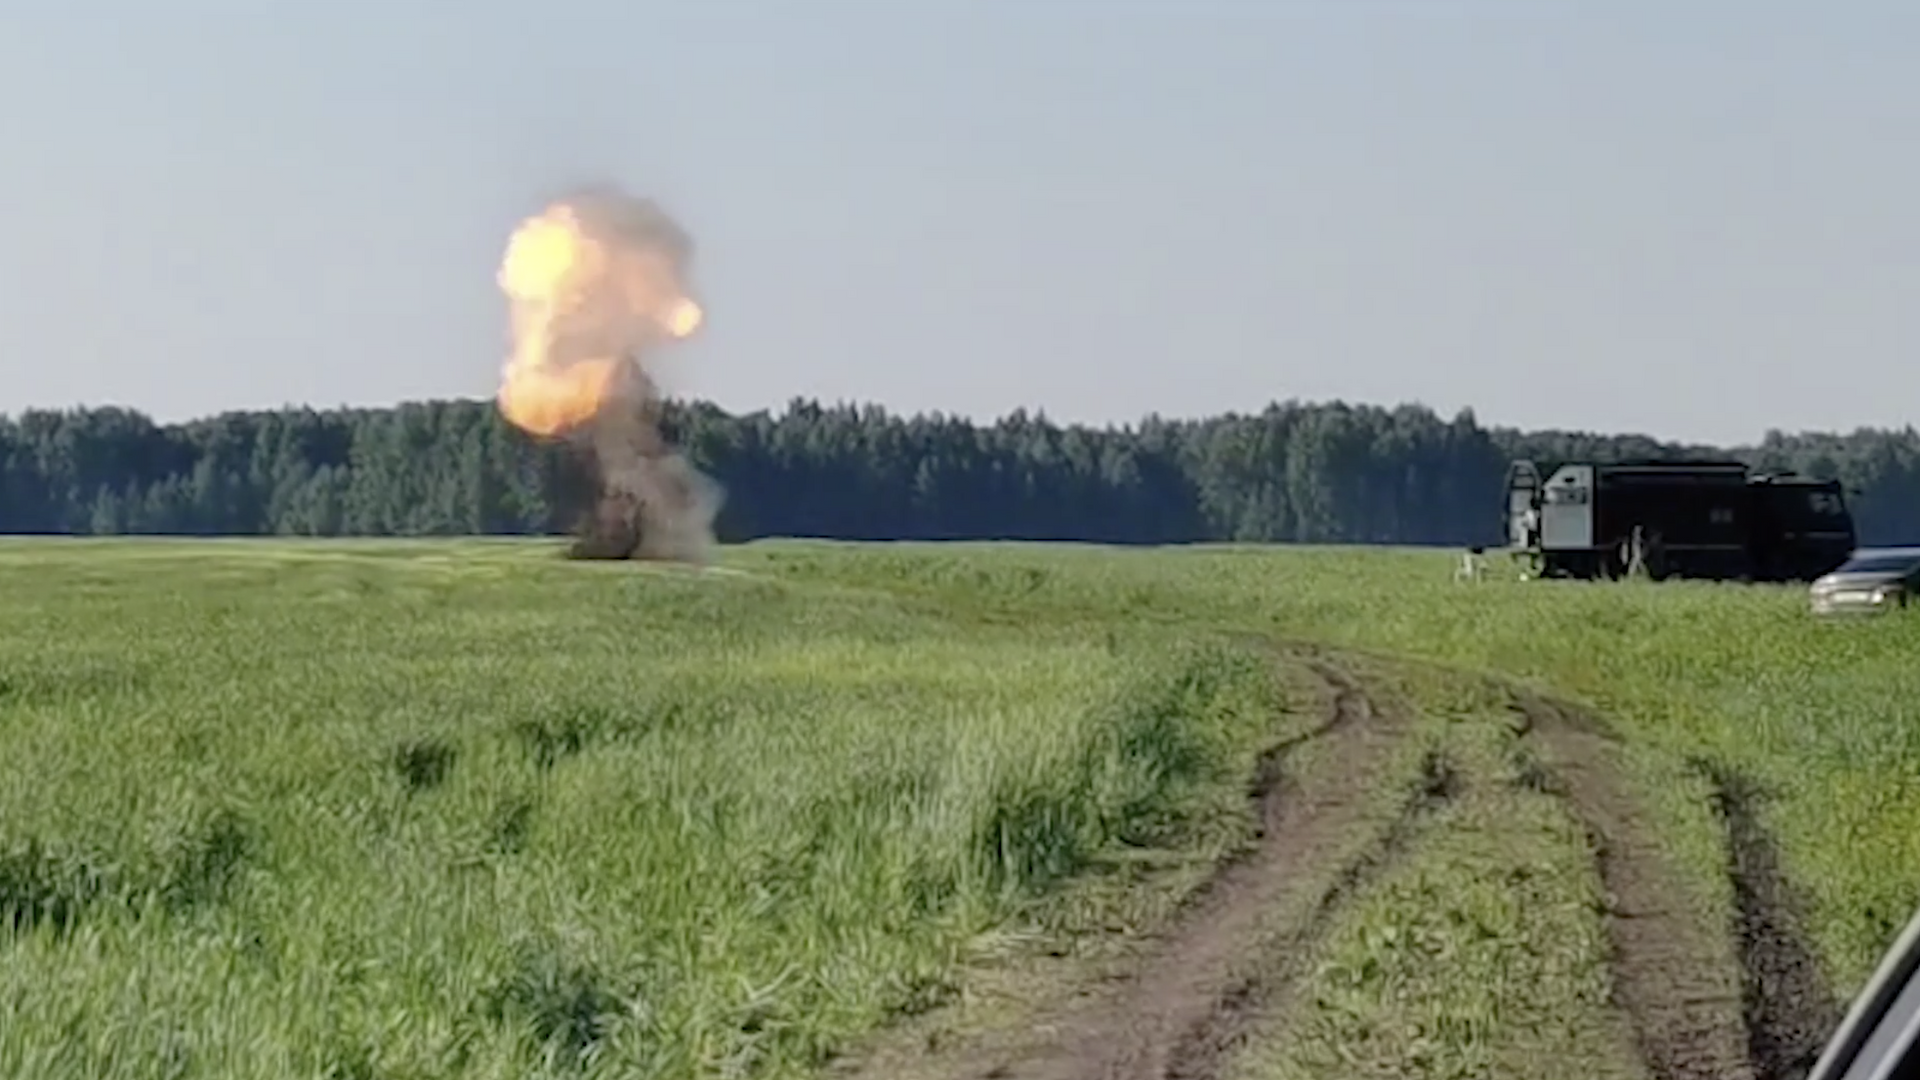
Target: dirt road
(1339, 806)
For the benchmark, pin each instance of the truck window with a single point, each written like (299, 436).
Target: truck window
(1825, 504)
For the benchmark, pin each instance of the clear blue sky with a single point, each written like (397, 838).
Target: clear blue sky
(1697, 220)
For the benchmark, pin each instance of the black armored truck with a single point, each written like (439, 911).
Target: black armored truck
(1717, 520)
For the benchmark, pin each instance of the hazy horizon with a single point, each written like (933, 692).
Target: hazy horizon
(1695, 224)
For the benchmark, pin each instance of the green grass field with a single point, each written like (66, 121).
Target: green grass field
(356, 809)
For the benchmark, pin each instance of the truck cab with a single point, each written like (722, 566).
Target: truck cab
(1805, 527)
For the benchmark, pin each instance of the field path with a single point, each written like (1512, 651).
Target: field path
(1182, 1004)
(1174, 1012)
(1678, 982)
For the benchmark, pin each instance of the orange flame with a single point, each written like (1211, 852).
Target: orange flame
(585, 302)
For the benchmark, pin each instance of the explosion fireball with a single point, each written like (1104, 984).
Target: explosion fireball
(593, 283)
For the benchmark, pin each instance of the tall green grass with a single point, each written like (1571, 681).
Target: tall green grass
(424, 809)
(432, 810)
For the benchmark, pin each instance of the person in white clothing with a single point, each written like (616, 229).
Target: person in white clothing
(1472, 565)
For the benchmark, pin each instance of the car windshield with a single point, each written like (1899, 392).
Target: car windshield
(1879, 564)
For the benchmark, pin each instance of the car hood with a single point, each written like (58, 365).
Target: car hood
(1854, 581)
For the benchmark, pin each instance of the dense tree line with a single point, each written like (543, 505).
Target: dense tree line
(1293, 472)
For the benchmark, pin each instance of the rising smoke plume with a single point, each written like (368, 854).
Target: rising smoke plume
(595, 282)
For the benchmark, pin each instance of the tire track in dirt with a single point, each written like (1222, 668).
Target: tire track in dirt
(1678, 982)
(1747, 1001)
(1207, 1046)
(1178, 1010)
(1789, 1008)
(1188, 1005)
